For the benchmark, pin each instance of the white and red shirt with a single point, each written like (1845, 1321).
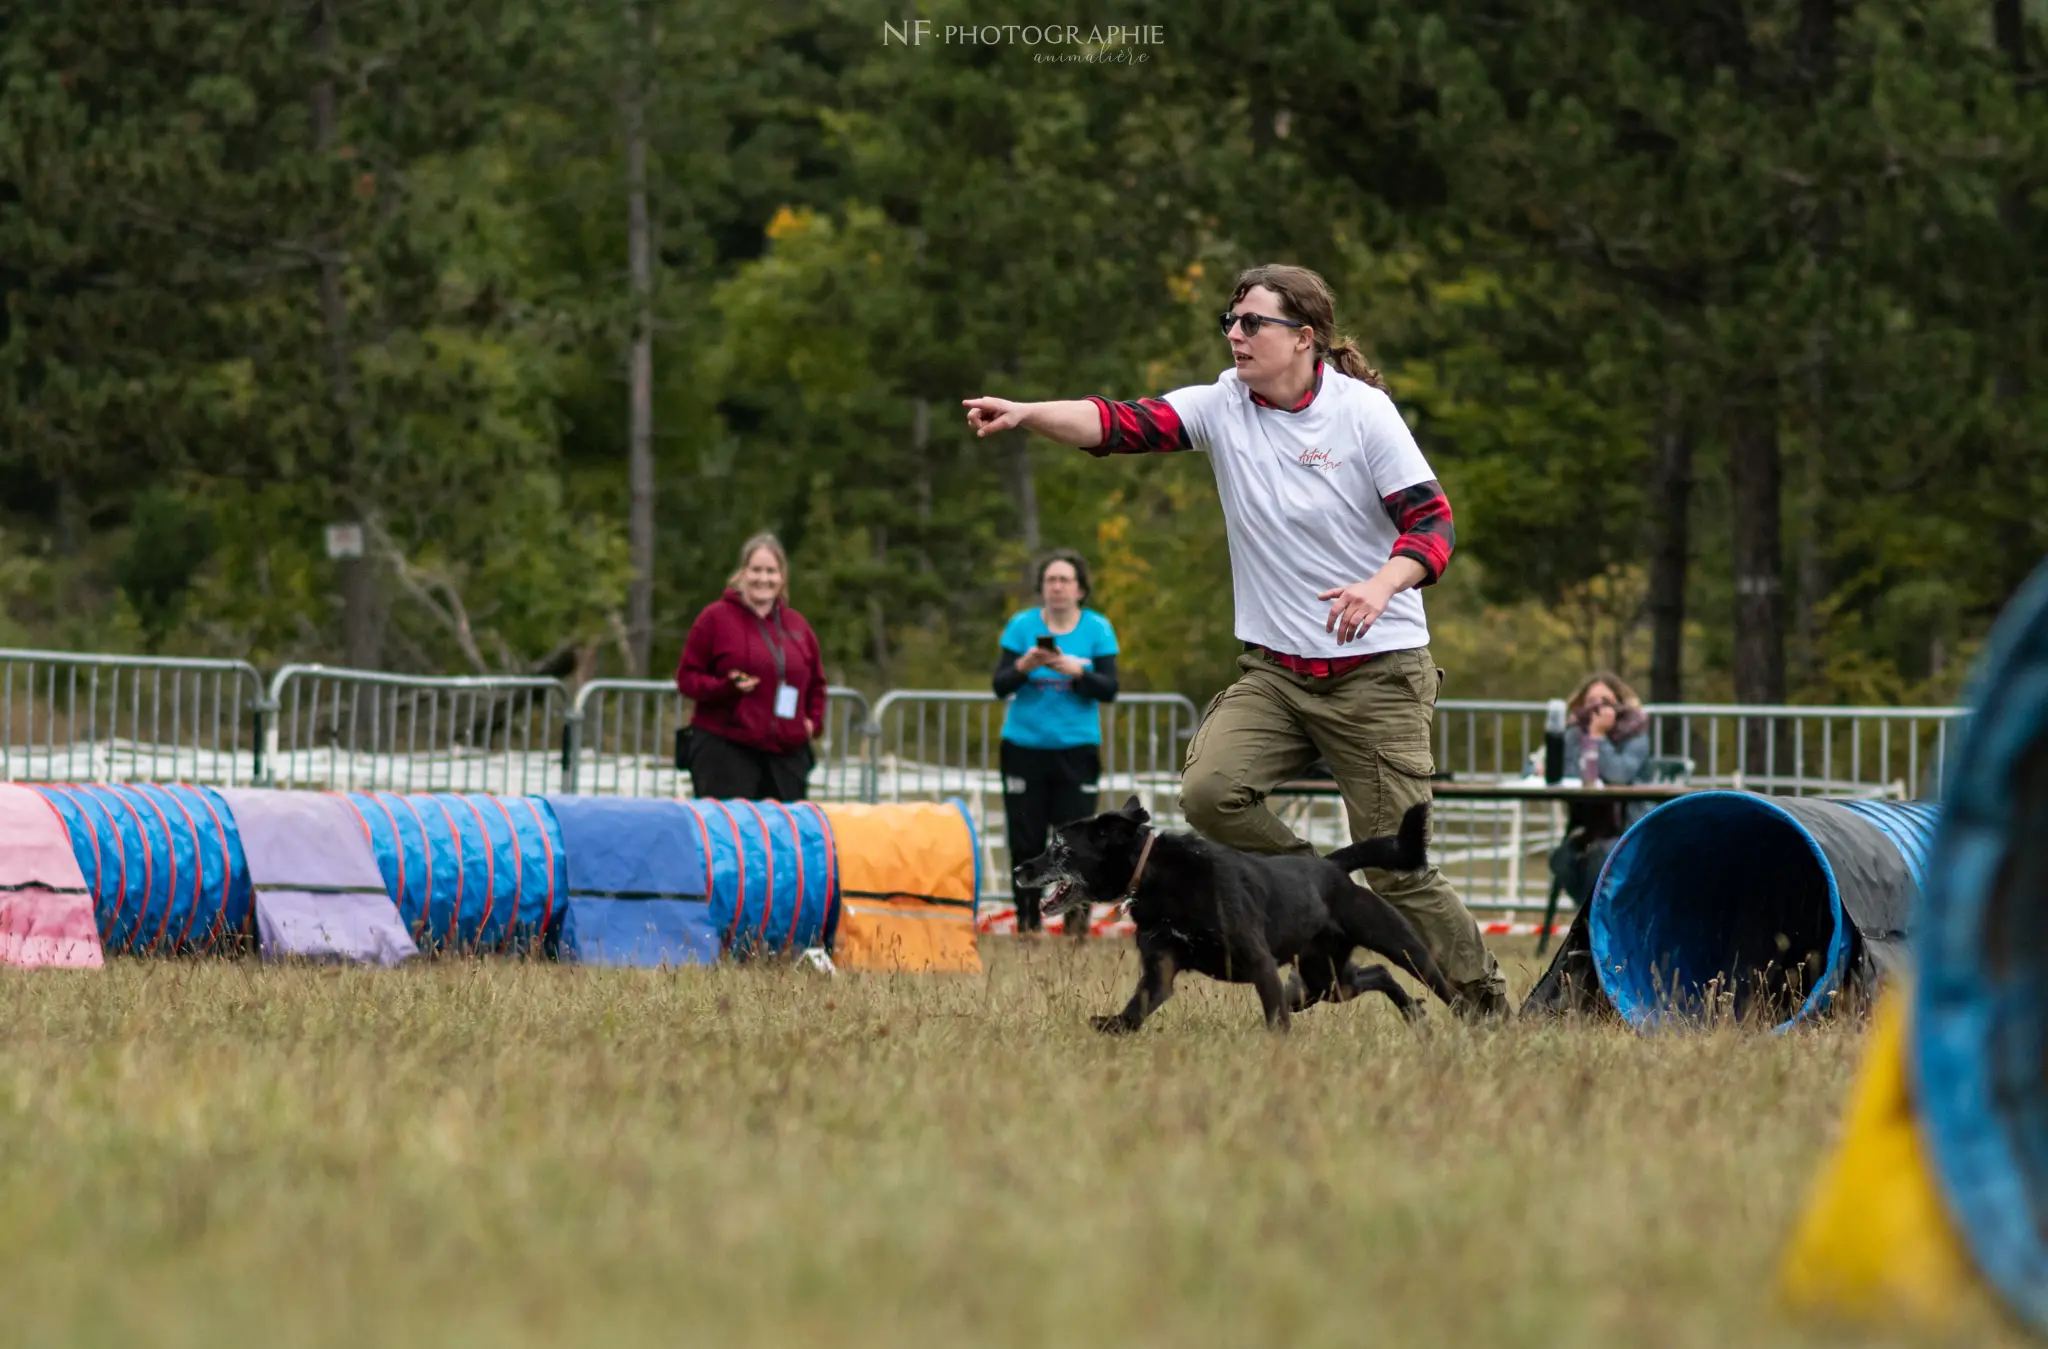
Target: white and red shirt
(1314, 497)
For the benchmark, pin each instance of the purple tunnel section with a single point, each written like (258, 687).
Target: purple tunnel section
(319, 893)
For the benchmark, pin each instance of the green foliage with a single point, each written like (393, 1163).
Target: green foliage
(1554, 229)
(170, 538)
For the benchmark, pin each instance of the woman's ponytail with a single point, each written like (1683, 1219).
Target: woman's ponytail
(1345, 355)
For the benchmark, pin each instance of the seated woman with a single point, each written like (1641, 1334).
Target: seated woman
(1606, 740)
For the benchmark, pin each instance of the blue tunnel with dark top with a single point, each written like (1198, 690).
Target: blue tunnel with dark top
(1769, 908)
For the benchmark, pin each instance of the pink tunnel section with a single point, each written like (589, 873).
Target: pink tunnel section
(46, 913)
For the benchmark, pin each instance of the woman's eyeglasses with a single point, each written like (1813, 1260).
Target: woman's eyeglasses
(1253, 322)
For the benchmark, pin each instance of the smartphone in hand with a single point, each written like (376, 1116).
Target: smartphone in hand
(1048, 644)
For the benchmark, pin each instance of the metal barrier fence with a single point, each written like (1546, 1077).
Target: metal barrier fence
(94, 718)
(930, 745)
(1497, 852)
(1494, 853)
(88, 717)
(358, 730)
(1898, 752)
(619, 739)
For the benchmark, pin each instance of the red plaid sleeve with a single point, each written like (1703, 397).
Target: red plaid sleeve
(1145, 426)
(1423, 515)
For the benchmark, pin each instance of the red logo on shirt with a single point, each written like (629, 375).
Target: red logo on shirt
(1321, 459)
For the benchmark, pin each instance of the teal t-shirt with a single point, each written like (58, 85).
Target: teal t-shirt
(1047, 713)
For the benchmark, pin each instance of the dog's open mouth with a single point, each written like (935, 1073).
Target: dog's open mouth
(1057, 899)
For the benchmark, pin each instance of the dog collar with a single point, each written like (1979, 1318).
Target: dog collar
(1137, 874)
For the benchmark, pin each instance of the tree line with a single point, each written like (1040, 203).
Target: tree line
(1715, 318)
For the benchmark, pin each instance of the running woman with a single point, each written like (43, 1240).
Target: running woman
(1335, 523)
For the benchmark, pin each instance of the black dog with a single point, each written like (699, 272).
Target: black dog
(1238, 916)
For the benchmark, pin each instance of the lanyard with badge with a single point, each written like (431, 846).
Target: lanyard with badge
(785, 692)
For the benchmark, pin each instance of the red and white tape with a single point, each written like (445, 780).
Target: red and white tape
(1001, 919)
(1522, 929)
(1103, 921)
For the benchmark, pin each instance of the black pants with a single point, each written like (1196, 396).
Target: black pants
(1042, 788)
(726, 770)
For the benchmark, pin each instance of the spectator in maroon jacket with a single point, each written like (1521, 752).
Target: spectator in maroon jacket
(751, 668)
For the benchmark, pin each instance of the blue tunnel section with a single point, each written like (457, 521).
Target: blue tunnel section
(686, 882)
(638, 884)
(1979, 1041)
(1771, 908)
(468, 872)
(770, 874)
(164, 865)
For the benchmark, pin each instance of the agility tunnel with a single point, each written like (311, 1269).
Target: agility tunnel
(909, 884)
(380, 877)
(1939, 1187)
(47, 914)
(164, 865)
(319, 894)
(1780, 905)
(638, 887)
(468, 872)
(772, 874)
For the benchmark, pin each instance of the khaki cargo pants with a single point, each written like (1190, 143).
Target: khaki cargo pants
(1371, 724)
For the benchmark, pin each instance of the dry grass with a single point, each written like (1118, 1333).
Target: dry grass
(503, 1155)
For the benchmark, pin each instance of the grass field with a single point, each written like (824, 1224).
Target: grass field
(511, 1155)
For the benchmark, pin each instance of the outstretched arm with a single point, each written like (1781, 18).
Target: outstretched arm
(1102, 426)
(1070, 421)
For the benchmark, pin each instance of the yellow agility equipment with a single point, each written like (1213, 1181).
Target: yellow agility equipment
(1875, 1237)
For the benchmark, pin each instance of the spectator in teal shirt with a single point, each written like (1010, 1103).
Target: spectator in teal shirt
(1058, 662)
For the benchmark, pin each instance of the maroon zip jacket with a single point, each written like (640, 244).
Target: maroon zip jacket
(728, 636)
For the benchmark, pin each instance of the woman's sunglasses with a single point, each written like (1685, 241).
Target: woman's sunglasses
(1253, 322)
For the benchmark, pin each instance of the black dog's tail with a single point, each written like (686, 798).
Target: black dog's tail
(1368, 920)
(1405, 851)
